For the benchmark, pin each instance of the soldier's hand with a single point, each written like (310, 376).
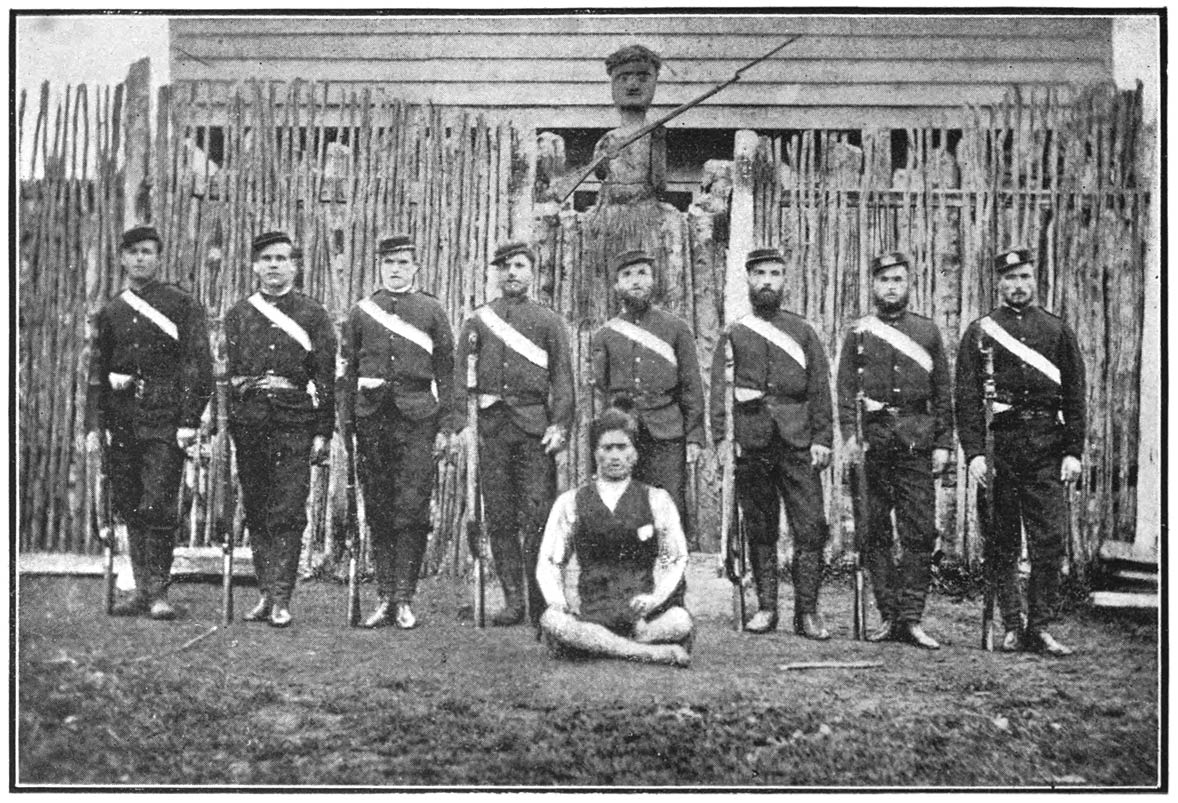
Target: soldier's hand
(320, 450)
(642, 604)
(819, 455)
(1070, 469)
(693, 452)
(977, 469)
(93, 441)
(559, 607)
(185, 437)
(940, 460)
(851, 449)
(602, 170)
(553, 440)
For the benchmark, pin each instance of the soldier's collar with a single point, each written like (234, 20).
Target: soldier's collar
(890, 317)
(514, 299)
(272, 296)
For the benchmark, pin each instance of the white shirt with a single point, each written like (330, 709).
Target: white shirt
(557, 546)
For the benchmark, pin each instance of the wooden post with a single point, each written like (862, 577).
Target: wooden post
(740, 235)
(1149, 428)
(137, 142)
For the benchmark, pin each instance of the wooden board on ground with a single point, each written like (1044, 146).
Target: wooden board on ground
(1123, 599)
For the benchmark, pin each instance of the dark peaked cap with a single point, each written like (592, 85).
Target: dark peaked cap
(398, 242)
(762, 255)
(1012, 259)
(628, 258)
(509, 249)
(139, 234)
(890, 260)
(630, 54)
(263, 241)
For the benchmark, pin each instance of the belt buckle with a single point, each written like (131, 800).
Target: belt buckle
(139, 384)
(1027, 415)
(891, 409)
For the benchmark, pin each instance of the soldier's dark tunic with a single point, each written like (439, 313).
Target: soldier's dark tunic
(1039, 419)
(273, 428)
(524, 392)
(651, 358)
(170, 381)
(782, 407)
(392, 366)
(908, 413)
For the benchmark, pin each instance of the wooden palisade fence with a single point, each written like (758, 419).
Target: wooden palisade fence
(340, 167)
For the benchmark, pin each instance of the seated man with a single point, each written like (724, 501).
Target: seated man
(632, 556)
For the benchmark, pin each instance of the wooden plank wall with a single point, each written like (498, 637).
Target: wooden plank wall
(1060, 179)
(846, 71)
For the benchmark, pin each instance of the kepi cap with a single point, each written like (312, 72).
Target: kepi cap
(398, 242)
(627, 258)
(507, 250)
(1012, 259)
(762, 255)
(892, 259)
(263, 241)
(630, 54)
(140, 233)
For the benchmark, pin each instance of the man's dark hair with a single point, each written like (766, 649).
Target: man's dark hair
(613, 420)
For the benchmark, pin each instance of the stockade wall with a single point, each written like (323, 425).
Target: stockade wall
(1060, 179)
(460, 182)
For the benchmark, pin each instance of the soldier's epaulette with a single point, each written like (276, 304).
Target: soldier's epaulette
(177, 286)
(427, 294)
(1049, 313)
(918, 315)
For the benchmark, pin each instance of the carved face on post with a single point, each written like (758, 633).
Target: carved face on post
(633, 85)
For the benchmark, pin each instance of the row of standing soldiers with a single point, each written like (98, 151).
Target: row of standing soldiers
(402, 396)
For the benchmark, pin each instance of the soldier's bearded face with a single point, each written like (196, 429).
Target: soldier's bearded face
(1017, 286)
(515, 276)
(890, 288)
(397, 270)
(766, 283)
(633, 85)
(634, 284)
(615, 455)
(141, 260)
(274, 268)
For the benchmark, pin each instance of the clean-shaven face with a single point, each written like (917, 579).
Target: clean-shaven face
(141, 260)
(275, 269)
(397, 270)
(515, 275)
(615, 455)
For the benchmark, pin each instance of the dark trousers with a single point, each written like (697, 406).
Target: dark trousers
(663, 464)
(762, 474)
(518, 481)
(144, 485)
(397, 472)
(903, 481)
(1027, 494)
(273, 464)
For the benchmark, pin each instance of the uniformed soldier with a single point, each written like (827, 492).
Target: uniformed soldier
(783, 426)
(1039, 424)
(645, 358)
(398, 360)
(907, 423)
(151, 375)
(282, 351)
(525, 389)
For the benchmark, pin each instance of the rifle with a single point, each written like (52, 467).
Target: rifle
(102, 520)
(666, 118)
(859, 618)
(732, 552)
(355, 534)
(989, 396)
(221, 487)
(474, 510)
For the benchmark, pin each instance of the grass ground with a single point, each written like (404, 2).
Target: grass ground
(112, 701)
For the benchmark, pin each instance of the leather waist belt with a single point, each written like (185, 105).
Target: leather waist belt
(512, 401)
(265, 382)
(911, 408)
(1025, 414)
(412, 385)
